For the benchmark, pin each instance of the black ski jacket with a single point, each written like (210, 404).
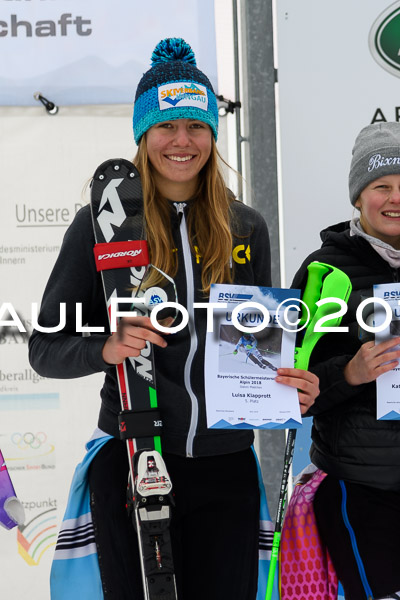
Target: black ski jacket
(348, 441)
(67, 354)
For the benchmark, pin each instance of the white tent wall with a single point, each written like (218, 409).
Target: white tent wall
(330, 86)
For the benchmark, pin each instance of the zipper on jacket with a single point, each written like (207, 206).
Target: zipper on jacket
(187, 259)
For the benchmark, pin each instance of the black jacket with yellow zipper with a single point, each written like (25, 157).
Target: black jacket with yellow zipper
(66, 354)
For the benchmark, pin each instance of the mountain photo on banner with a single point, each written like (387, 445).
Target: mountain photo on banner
(85, 53)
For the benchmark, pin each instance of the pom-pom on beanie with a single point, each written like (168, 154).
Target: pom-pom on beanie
(174, 88)
(376, 153)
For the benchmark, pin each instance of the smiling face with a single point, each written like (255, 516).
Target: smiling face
(379, 205)
(178, 150)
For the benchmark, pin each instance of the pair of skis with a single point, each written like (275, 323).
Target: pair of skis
(130, 283)
(324, 283)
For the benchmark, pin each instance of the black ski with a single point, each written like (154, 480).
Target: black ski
(122, 258)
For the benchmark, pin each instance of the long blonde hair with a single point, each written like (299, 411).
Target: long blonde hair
(209, 226)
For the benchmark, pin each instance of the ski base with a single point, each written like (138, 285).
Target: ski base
(122, 259)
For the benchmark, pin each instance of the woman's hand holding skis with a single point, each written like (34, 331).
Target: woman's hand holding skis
(306, 383)
(130, 339)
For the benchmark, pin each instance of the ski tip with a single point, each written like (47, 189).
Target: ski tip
(115, 167)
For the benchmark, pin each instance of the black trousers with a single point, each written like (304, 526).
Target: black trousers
(371, 531)
(214, 527)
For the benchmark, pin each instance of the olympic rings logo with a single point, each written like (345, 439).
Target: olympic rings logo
(29, 440)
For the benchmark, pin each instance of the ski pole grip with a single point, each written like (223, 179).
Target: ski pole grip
(139, 423)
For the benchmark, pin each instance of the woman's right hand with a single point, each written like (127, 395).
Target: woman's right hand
(130, 339)
(371, 361)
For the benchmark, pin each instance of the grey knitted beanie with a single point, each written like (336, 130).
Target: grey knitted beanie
(376, 153)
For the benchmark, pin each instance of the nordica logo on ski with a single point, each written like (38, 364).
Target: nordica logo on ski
(384, 39)
(117, 255)
(182, 93)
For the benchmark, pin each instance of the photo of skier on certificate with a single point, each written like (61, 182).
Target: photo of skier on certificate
(257, 353)
(248, 343)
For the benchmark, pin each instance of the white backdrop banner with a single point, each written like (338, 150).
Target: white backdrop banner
(44, 423)
(338, 71)
(91, 52)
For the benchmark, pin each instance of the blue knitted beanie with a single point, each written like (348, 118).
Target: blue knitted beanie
(174, 88)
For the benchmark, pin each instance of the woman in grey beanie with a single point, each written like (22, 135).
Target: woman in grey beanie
(357, 505)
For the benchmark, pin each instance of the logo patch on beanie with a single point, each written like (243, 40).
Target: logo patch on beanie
(182, 94)
(377, 161)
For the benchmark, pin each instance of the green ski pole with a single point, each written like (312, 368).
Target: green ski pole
(323, 282)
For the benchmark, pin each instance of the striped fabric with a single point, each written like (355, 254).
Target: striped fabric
(76, 538)
(75, 570)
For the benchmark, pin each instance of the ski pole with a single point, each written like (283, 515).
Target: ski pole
(325, 284)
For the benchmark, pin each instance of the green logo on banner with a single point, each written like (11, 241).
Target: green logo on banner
(384, 39)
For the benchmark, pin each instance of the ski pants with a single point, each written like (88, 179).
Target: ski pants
(360, 526)
(214, 527)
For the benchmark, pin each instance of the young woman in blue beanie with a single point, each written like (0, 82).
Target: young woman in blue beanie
(357, 505)
(192, 225)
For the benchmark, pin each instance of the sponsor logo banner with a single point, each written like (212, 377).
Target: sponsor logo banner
(83, 53)
(39, 533)
(384, 39)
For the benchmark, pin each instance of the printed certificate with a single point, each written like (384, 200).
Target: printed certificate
(240, 367)
(388, 384)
